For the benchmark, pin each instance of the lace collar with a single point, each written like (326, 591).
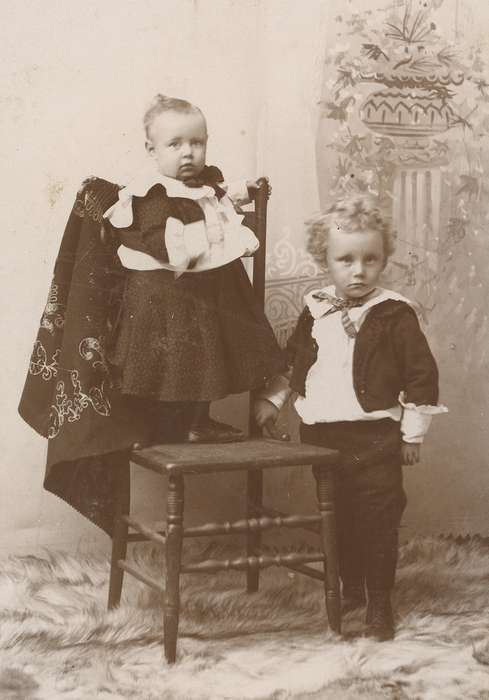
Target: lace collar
(120, 214)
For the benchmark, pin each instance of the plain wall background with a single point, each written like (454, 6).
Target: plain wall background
(77, 78)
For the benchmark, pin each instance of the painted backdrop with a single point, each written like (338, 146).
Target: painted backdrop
(284, 85)
(404, 114)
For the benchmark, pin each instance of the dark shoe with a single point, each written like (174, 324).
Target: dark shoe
(352, 598)
(213, 431)
(379, 620)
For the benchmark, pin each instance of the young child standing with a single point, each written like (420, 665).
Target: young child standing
(184, 336)
(150, 316)
(367, 386)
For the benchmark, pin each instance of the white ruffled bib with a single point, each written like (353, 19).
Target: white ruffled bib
(215, 241)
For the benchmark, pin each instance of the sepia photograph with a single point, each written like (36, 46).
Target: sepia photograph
(245, 343)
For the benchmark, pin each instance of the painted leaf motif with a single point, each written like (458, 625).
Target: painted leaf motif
(374, 52)
(470, 185)
(339, 111)
(345, 78)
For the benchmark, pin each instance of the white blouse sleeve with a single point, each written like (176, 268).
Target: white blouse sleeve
(416, 420)
(237, 192)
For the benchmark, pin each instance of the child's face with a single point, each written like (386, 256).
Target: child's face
(355, 261)
(178, 144)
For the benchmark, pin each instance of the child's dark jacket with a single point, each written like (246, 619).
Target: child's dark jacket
(391, 355)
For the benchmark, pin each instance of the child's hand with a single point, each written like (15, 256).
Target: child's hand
(410, 453)
(266, 414)
(253, 185)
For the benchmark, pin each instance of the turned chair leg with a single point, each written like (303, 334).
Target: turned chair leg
(173, 556)
(119, 535)
(253, 538)
(325, 494)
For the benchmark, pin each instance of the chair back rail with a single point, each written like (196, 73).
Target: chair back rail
(259, 267)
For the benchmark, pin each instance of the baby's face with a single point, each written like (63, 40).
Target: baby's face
(178, 144)
(355, 261)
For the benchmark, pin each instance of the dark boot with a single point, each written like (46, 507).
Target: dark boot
(213, 431)
(352, 598)
(381, 573)
(380, 619)
(203, 429)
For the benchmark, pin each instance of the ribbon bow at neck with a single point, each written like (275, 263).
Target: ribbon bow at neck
(342, 305)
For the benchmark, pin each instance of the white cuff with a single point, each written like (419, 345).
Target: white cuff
(414, 425)
(277, 391)
(237, 192)
(416, 420)
(427, 409)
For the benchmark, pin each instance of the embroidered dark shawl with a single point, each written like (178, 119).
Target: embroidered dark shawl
(68, 395)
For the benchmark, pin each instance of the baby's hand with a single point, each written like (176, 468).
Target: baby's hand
(253, 185)
(410, 453)
(266, 414)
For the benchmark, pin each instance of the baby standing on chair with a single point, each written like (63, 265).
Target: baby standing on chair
(367, 386)
(189, 331)
(150, 316)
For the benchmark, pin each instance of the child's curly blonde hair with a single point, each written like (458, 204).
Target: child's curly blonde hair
(353, 213)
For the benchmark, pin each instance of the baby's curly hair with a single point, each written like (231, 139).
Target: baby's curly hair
(353, 213)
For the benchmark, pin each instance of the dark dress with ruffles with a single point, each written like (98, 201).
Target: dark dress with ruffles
(197, 337)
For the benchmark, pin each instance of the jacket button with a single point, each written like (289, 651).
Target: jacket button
(362, 391)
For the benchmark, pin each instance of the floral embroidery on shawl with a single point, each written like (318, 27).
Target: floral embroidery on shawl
(53, 315)
(71, 401)
(39, 362)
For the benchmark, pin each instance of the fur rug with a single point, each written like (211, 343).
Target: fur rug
(57, 641)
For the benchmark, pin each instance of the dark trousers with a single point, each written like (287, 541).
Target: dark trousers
(370, 498)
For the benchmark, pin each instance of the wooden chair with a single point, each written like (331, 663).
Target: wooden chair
(176, 462)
